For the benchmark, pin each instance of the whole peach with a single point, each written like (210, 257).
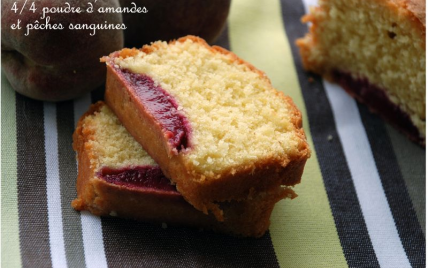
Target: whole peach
(56, 65)
(167, 20)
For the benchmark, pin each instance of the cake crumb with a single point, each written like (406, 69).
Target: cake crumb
(113, 213)
(329, 137)
(164, 225)
(391, 35)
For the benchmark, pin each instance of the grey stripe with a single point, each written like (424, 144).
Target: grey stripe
(68, 173)
(32, 196)
(411, 159)
(223, 39)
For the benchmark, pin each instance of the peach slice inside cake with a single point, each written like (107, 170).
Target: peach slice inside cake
(378, 101)
(161, 105)
(140, 177)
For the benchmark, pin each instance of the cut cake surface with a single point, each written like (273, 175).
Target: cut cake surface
(375, 50)
(213, 123)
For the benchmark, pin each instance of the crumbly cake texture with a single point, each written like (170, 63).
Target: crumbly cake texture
(245, 137)
(381, 41)
(101, 141)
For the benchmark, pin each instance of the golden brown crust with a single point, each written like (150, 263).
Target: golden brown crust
(246, 218)
(203, 193)
(418, 9)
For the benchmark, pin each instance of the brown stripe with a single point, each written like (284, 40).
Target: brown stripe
(32, 199)
(135, 244)
(72, 225)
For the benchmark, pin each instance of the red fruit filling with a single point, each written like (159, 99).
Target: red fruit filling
(376, 98)
(161, 105)
(148, 177)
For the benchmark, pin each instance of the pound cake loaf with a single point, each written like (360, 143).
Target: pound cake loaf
(117, 178)
(214, 123)
(375, 49)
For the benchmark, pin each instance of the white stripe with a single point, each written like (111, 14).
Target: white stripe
(92, 232)
(374, 205)
(53, 189)
(93, 241)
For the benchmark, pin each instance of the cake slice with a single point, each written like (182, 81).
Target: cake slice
(375, 49)
(214, 123)
(117, 178)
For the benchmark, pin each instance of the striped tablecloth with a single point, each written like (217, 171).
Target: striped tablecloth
(361, 201)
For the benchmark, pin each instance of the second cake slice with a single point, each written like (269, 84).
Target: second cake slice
(117, 178)
(213, 123)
